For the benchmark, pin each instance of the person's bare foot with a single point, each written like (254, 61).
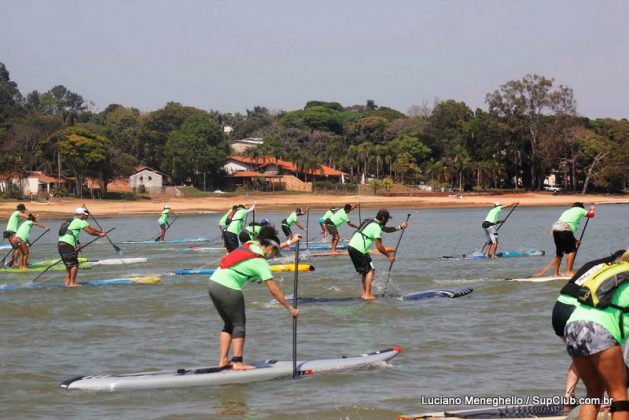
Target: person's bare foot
(368, 297)
(242, 366)
(569, 274)
(73, 285)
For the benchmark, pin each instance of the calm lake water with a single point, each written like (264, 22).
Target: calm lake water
(496, 341)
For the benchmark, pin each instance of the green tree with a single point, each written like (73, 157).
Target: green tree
(10, 97)
(198, 146)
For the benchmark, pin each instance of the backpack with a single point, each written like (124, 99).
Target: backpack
(63, 229)
(363, 226)
(598, 285)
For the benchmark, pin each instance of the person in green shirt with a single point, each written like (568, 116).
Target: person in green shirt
(336, 220)
(593, 339)
(23, 233)
(245, 264)
(233, 225)
(163, 221)
(563, 231)
(293, 219)
(491, 231)
(368, 233)
(12, 227)
(565, 306)
(68, 245)
(252, 231)
(326, 215)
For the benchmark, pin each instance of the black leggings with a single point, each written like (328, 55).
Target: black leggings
(230, 305)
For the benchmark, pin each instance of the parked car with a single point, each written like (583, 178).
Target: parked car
(552, 189)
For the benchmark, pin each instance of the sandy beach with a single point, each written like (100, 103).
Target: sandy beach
(219, 203)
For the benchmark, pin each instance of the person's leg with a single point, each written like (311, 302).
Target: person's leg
(15, 250)
(73, 271)
(24, 255)
(610, 365)
(569, 262)
(557, 263)
(163, 234)
(224, 343)
(67, 279)
(494, 247)
(220, 298)
(367, 281)
(594, 385)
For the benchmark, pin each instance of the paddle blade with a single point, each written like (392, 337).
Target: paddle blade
(118, 250)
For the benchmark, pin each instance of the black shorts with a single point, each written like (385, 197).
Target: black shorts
(68, 254)
(331, 227)
(362, 262)
(287, 231)
(564, 242)
(231, 241)
(561, 313)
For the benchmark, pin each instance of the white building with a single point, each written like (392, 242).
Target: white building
(150, 179)
(240, 145)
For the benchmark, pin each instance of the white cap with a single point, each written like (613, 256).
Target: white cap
(81, 210)
(497, 203)
(166, 206)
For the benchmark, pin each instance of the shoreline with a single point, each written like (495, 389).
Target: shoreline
(218, 204)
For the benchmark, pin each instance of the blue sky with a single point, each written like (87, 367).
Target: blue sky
(232, 55)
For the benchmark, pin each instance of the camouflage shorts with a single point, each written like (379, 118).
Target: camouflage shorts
(585, 338)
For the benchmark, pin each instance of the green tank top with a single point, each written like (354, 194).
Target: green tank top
(608, 317)
(237, 221)
(327, 215)
(74, 230)
(290, 220)
(339, 218)
(254, 229)
(572, 217)
(251, 270)
(25, 230)
(224, 219)
(163, 219)
(371, 232)
(494, 215)
(14, 221)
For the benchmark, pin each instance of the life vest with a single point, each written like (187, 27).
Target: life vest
(363, 226)
(238, 255)
(597, 287)
(229, 219)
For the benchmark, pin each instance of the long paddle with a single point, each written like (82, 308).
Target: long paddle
(295, 284)
(501, 223)
(116, 247)
(360, 217)
(408, 216)
(307, 229)
(80, 248)
(168, 227)
(581, 237)
(30, 245)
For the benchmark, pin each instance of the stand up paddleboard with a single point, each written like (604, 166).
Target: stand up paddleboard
(111, 261)
(550, 412)
(282, 268)
(412, 296)
(168, 241)
(107, 282)
(330, 254)
(540, 279)
(36, 269)
(507, 254)
(208, 376)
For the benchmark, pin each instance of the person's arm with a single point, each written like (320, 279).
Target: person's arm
(289, 242)
(300, 226)
(383, 250)
(279, 296)
(395, 228)
(252, 208)
(39, 225)
(349, 222)
(94, 232)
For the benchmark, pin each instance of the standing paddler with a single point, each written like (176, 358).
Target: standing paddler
(245, 264)
(337, 219)
(23, 233)
(68, 246)
(163, 221)
(326, 216)
(370, 231)
(293, 219)
(233, 225)
(489, 225)
(12, 227)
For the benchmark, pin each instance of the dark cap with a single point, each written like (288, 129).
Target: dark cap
(383, 214)
(578, 204)
(21, 207)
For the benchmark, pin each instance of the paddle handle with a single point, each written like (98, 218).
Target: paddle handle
(408, 216)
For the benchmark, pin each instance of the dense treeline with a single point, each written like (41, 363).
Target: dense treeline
(529, 130)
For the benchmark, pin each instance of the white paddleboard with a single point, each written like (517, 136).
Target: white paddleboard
(206, 376)
(541, 279)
